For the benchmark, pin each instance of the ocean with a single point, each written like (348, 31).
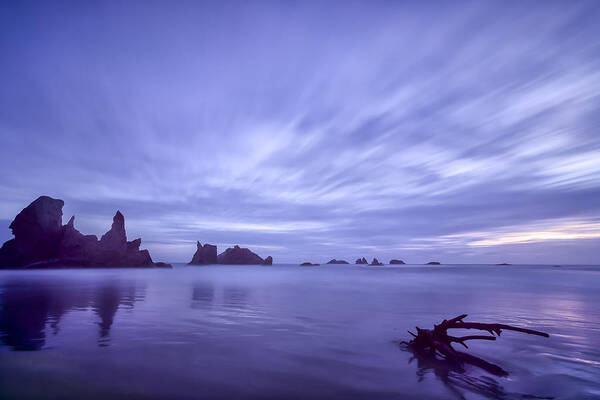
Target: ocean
(285, 331)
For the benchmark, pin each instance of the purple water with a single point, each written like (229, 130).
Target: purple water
(292, 332)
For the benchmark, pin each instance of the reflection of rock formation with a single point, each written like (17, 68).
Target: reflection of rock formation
(41, 241)
(203, 295)
(235, 296)
(26, 309)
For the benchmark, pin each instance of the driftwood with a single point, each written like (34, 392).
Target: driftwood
(437, 341)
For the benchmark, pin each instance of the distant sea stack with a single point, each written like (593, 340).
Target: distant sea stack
(334, 261)
(433, 263)
(361, 261)
(206, 254)
(241, 256)
(394, 262)
(309, 264)
(375, 262)
(41, 241)
(268, 261)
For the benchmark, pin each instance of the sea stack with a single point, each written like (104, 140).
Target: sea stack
(375, 262)
(334, 261)
(240, 256)
(433, 263)
(41, 241)
(394, 261)
(206, 254)
(268, 261)
(361, 261)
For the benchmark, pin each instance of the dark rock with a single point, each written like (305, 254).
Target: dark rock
(238, 255)
(308, 264)
(42, 242)
(361, 261)
(394, 261)
(206, 254)
(334, 261)
(504, 264)
(268, 261)
(375, 262)
(37, 231)
(162, 265)
(433, 263)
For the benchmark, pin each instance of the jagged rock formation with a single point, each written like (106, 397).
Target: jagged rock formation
(268, 261)
(361, 261)
(239, 255)
(41, 241)
(433, 263)
(206, 254)
(394, 261)
(308, 264)
(375, 262)
(334, 261)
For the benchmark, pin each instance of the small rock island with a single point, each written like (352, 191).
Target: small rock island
(236, 255)
(376, 262)
(433, 263)
(41, 241)
(396, 262)
(361, 261)
(308, 264)
(334, 261)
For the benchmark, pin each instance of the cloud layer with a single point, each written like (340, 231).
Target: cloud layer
(308, 131)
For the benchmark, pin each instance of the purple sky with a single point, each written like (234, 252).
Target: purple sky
(308, 131)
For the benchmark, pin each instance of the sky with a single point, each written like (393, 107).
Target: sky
(461, 132)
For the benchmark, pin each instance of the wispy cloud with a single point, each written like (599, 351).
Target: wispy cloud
(399, 130)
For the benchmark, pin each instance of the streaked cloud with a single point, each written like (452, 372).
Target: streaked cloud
(402, 130)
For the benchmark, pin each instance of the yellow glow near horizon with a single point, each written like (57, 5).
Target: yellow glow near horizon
(572, 231)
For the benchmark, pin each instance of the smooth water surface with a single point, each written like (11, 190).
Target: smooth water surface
(285, 331)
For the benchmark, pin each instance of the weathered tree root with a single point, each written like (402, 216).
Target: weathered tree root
(437, 341)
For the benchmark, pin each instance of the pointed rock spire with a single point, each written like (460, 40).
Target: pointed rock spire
(206, 254)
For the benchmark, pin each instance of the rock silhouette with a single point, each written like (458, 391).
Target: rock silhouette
(334, 261)
(361, 261)
(394, 261)
(206, 254)
(238, 255)
(37, 231)
(308, 264)
(433, 263)
(41, 241)
(375, 262)
(268, 261)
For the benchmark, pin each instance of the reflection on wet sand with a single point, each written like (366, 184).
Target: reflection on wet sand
(203, 295)
(26, 310)
(456, 379)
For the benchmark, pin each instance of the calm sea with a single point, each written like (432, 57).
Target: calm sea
(285, 331)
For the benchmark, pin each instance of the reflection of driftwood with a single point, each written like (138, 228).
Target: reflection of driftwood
(454, 377)
(437, 340)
